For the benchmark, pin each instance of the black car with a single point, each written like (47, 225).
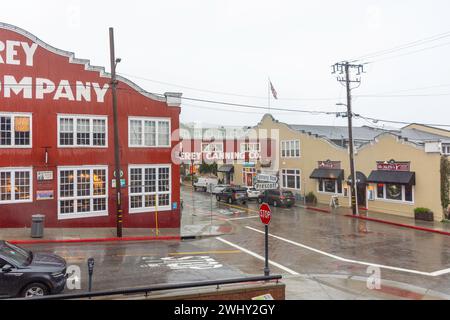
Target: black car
(233, 195)
(277, 198)
(27, 274)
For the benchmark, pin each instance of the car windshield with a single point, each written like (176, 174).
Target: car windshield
(288, 194)
(15, 254)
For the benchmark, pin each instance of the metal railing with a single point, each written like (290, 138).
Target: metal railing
(159, 287)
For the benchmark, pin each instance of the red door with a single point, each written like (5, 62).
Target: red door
(249, 180)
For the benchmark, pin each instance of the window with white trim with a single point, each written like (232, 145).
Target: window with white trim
(150, 188)
(395, 192)
(250, 147)
(149, 132)
(291, 179)
(15, 130)
(82, 131)
(290, 149)
(330, 186)
(83, 191)
(16, 185)
(212, 147)
(446, 149)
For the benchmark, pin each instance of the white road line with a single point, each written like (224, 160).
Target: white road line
(429, 274)
(257, 256)
(243, 218)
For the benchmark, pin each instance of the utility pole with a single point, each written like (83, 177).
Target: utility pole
(341, 68)
(117, 170)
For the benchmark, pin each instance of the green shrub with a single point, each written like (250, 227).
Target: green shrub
(311, 198)
(421, 210)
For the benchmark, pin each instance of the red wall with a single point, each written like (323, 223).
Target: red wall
(55, 67)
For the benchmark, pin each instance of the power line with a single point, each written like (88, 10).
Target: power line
(414, 89)
(411, 52)
(403, 46)
(376, 120)
(401, 95)
(222, 92)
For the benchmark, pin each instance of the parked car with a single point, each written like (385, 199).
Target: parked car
(277, 198)
(233, 195)
(205, 184)
(27, 274)
(219, 188)
(252, 193)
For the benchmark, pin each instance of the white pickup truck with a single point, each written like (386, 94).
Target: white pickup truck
(205, 184)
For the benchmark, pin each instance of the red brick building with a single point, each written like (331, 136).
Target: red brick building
(57, 147)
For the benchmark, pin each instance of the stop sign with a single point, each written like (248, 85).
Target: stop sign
(265, 213)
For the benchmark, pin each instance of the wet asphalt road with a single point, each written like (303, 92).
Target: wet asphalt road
(308, 242)
(420, 253)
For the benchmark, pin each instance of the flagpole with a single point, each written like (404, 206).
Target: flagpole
(268, 96)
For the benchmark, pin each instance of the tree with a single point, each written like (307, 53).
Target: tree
(445, 185)
(208, 168)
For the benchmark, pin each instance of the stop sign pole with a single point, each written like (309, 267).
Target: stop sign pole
(266, 214)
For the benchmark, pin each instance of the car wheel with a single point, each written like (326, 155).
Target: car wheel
(244, 202)
(35, 290)
(260, 201)
(217, 198)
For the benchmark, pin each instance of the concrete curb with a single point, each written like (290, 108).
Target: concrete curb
(125, 239)
(318, 210)
(397, 224)
(400, 225)
(201, 236)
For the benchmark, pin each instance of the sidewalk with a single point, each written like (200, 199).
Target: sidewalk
(336, 287)
(195, 224)
(77, 235)
(380, 217)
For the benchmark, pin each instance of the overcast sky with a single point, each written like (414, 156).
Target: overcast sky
(233, 46)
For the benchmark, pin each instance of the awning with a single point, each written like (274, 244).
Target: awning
(392, 177)
(360, 178)
(226, 168)
(332, 174)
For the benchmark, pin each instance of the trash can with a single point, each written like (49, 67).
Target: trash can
(37, 226)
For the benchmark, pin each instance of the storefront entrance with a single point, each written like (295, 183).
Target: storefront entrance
(361, 189)
(249, 179)
(248, 174)
(362, 195)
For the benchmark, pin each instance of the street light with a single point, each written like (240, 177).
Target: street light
(353, 187)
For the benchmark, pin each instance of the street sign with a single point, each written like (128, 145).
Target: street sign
(266, 186)
(265, 214)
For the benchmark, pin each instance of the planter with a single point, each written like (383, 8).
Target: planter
(424, 216)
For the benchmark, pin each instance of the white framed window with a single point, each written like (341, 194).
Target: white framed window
(82, 131)
(250, 147)
(446, 149)
(82, 192)
(212, 147)
(16, 185)
(291, 179)
(395, 192)
(15, 130)
(330, 186)
(148, 132)
(150, 188)
(290, 149)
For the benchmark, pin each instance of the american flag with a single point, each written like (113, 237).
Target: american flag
(274, 92)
